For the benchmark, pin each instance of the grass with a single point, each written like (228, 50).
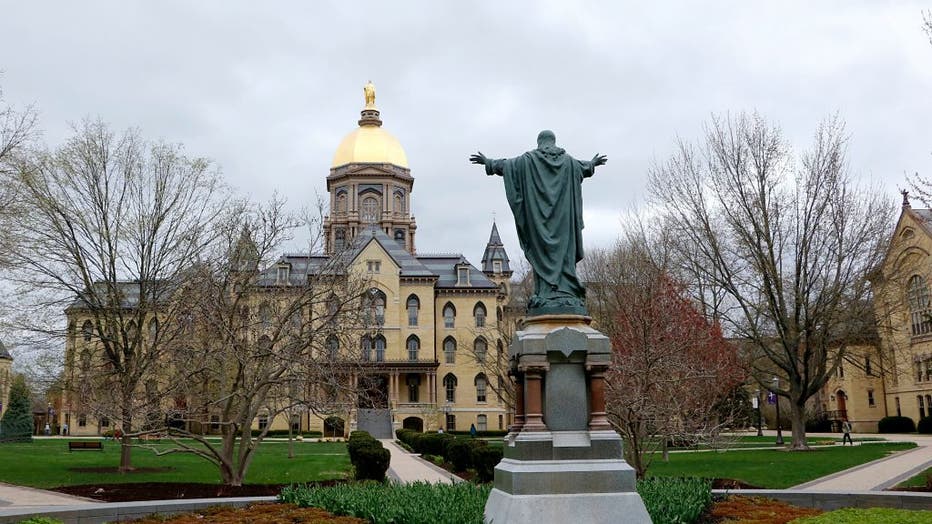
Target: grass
(869, 516)
(920, 479)
(776, 469)
(48, 464)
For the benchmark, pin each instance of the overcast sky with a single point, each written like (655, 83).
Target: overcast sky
(268, 89)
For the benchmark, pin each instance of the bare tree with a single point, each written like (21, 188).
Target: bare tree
(268, 337)
(114, 223)
(18, 130)
(789, 242)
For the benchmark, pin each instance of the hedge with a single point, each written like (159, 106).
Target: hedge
(925, 425)
(484, 460)
(481, 434)
(896, 425)
(432, 443)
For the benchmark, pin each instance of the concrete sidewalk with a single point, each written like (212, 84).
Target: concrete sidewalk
(880, 474)
(21, 497)
(409, 467)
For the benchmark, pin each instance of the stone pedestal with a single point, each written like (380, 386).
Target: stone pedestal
(563, 462)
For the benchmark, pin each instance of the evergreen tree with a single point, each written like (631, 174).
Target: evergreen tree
(16, 424)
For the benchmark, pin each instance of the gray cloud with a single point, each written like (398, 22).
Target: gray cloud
(268, 90)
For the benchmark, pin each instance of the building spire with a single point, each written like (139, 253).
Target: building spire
(495, 259)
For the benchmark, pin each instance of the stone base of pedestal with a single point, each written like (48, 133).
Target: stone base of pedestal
(577, 508)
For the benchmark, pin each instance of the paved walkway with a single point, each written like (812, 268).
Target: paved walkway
(409, 467)
(21, 497)
(880, 474)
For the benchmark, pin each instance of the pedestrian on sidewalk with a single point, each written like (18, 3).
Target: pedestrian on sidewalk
(846, 430)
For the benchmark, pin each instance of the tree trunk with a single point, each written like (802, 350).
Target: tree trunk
(798, 423)
(290, 439)
(126, 449)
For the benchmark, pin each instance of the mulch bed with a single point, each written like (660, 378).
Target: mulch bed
(173, 490)
(255, 514)
(732, 484)
(754, 510)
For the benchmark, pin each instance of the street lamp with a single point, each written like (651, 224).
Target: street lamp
(776, 384)
(756, 404)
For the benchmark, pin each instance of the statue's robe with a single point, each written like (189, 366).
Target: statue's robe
(544, 190)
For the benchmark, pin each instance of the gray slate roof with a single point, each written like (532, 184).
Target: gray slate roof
(441, 267)
(4, 354)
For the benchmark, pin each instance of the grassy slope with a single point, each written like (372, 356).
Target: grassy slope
(771, 468)
(47, 463)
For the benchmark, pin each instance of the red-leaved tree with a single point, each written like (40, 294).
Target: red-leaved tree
(672, 368)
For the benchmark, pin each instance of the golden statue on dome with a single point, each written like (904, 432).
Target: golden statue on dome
(369, 90)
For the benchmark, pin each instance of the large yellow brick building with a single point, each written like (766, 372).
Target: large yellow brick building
(440, 317)
(6, 377)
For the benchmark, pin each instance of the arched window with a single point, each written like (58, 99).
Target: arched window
(400, 236)
(449, 316)
(480, 348)
(482, 423)
(341, 202)
(481, 384)
(449, 384)
(918, 295)
(370, 210)
(413, 306)
(333, 347)
(153, 330)
(449, 350)
(380, 348)
(478, 313)
(87, 330)
(374, 306)
(265, 315)
(414, 347)
(399, 203)
(339, 240)
(365, 348)
(498, 315)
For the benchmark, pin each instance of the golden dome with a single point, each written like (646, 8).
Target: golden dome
(372, 144)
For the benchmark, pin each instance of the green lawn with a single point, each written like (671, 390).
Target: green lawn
(771, 468)
(918, 480)
(47, 464)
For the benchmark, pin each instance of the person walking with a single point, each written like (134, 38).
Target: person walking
(846, 433)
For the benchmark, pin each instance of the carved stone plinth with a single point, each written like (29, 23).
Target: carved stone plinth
(564, 463)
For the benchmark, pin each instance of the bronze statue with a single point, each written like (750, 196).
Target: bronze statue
(544, 190)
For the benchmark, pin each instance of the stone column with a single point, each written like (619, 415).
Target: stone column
(533, 399)
(598, 418)
(519, 403)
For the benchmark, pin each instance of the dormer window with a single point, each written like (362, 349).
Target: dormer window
(497, 266)
(462, 276)
(282, 274)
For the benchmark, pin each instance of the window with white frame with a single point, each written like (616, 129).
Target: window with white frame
(481, 385)
(482, 423)
(449, 350)
(478, 314)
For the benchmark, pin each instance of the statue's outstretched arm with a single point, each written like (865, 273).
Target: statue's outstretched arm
(492, 166)
(597, 160)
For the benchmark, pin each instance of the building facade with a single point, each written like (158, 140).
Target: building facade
(440, 318)
(6, 377)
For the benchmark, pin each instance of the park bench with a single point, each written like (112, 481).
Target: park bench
(85, 444)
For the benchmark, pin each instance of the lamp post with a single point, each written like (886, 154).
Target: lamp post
(760, 420)
(776, 384)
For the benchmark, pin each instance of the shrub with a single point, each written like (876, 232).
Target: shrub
(481, 434)
(16, 425)
(484, 459)
(40, 520)
(896, 425)
(459, 453)
(432, 443)
(407, 436)
(925, 425)
(417, 503)
(372, 462)
(675, 500)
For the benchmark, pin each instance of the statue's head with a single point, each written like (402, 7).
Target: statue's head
(546, 138)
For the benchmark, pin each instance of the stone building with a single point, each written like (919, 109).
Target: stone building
(6, 377)
(440, 317)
